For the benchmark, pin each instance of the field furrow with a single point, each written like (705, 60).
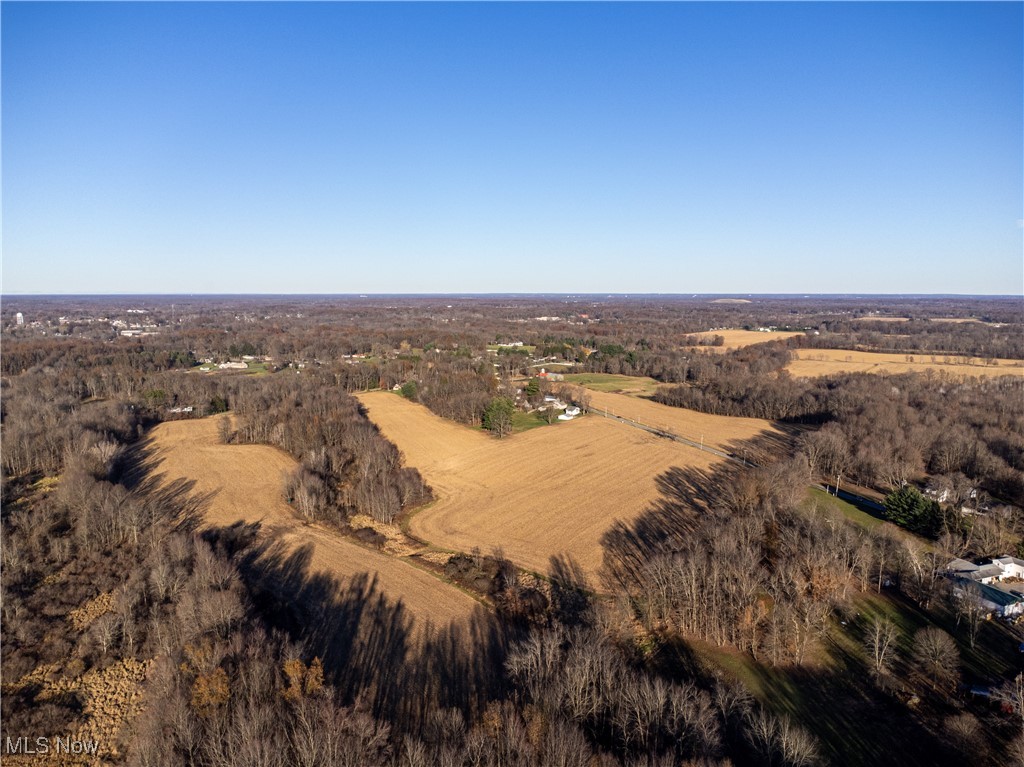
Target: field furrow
(246, 483)
(549, 491)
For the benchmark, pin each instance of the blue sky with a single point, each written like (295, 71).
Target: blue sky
(357, 148)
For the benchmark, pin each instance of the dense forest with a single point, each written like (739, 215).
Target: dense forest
(741, 620)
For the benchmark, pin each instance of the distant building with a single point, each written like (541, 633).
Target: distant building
(19, 319)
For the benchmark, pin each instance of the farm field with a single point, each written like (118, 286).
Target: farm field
(720, 432)
(737, 339)
(954, 320)
(247, 481)
(540, 493)
(610, 382)
(819, 362)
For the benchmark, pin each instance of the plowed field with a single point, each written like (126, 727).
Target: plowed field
(819, 362)
(548, 491)
(737, 339)
(246, 481)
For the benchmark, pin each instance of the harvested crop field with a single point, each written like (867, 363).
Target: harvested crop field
(246, 482)
(543, 492)
(954, 320)
(818, 362)
(737, 339)
(720, 432)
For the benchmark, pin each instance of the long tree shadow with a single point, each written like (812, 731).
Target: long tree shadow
(853, 721)
(369, 644)
(688, 495)
(768, 446)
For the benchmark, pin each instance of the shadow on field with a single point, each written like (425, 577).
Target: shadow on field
(136, 469)
(368, 644)
(768, 446)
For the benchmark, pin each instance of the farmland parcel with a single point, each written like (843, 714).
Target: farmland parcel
(548, 491)
(247, 481)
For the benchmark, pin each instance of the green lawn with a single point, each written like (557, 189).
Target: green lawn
(608, 382)
(833, 697)
(848, 510)
(525, 421)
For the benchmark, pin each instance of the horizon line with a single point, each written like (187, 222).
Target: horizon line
(511, 294)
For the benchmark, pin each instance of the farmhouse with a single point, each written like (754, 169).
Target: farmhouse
(569, 414)
(998, 583)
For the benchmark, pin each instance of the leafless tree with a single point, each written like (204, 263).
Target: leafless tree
(880, 642)
(1011, 692)
(937, 657)
(970, 609)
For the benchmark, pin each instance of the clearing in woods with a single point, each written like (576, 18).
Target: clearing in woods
(613, 382)
(819, 362)
(246, 481)
(737, 339)
(547, 491)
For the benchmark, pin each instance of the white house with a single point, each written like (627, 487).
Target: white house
(995, 583)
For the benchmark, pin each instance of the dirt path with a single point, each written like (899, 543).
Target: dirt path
(246, 481)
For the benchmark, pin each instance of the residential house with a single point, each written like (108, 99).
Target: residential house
(999, 583)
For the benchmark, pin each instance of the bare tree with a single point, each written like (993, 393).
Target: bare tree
(880, 640)
(971, 610)
(1011, 692)
(937, 657)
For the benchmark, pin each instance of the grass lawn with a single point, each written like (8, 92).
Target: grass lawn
(832, 697)
(848, 510)
(525, 421)
(608, 382)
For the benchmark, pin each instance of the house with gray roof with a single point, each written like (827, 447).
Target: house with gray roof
(998, 583)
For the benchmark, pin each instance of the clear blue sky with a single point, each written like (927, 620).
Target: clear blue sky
(340, 148)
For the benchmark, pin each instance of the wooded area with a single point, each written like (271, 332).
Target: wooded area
(742, 619)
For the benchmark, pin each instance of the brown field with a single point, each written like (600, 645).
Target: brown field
(721, 432)
(247, 481)
(547, 491)
(819, 362)
(955, 320)
(737, 339)
(966, 319)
